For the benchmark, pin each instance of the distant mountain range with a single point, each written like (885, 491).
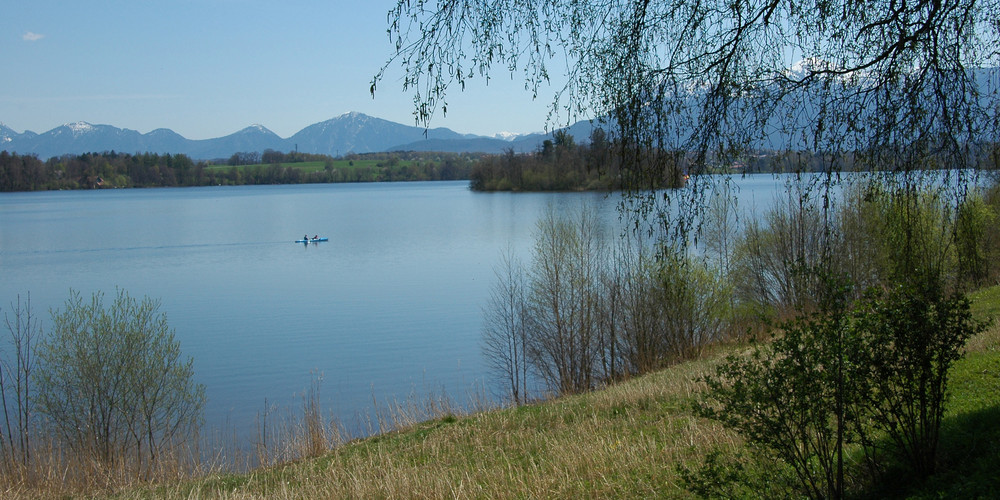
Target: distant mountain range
(348, 133)
(359, 133)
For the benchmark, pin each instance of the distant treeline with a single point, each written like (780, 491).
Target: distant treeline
(122, 170)
(560, 164)
(271, 156)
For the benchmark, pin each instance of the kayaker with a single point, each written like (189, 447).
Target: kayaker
(305, 237)
(316, 237)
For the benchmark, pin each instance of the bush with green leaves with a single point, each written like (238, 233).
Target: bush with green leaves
(870, 378)
(904, 341)
(113, 385)
(789, 396)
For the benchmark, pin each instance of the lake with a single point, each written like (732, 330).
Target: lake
(389, 307)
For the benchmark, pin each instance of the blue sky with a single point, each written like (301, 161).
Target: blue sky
(207, 68)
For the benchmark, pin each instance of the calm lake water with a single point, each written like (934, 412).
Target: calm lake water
(389, 307)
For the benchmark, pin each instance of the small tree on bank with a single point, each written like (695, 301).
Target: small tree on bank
(113, 384)
(15, 384)
(505, 335)
(564, 301)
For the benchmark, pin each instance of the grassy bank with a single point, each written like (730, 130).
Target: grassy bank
(632, 440)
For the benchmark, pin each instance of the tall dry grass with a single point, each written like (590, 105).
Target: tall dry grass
(57, 472)
(623, 441)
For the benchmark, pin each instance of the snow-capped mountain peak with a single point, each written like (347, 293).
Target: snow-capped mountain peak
(506, 136)
(80, 127)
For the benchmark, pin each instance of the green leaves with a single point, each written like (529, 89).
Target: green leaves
(871, 377)
(113, 382)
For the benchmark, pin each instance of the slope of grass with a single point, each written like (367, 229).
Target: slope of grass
(619, 442)
(632, 440)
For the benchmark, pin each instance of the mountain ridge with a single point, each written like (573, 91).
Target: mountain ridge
(351, 132)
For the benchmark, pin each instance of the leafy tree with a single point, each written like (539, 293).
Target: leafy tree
(907, 339)
(113, 383)
(872, 375)
(791, 395)
(976, 240)
(694, 304)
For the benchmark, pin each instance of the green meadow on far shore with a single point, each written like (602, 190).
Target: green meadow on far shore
(315, 166)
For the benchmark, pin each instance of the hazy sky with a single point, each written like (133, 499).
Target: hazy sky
(207, 68)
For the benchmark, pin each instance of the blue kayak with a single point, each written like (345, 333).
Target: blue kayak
(312, 240)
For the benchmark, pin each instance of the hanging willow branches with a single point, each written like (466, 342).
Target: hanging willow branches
(689, 85)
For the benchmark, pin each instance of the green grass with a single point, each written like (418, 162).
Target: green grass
(986, 302)
(970, 434)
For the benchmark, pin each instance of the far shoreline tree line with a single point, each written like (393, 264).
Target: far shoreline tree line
(112, 169)
(558, 164)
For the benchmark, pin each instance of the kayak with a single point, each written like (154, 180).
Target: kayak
(312, 240)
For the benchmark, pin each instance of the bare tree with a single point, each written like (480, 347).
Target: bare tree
(15, 374)
(564, 301)
(776, 258)
(641, 346)
(505, 335)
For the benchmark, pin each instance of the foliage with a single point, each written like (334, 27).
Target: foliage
(560, 164)
(875, 233)
(789, 396)
(694, 302)
(728, 476)
(881, 86)
(977, 241)
(120, 170)
(873, 376)
(113, 384)
(907, 340)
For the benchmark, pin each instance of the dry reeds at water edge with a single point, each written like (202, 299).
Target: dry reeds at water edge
(633, 439)
(283, 436)
(623, 441)
(56, 471)
(286, 435)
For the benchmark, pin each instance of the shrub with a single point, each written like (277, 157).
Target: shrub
(113, 384)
